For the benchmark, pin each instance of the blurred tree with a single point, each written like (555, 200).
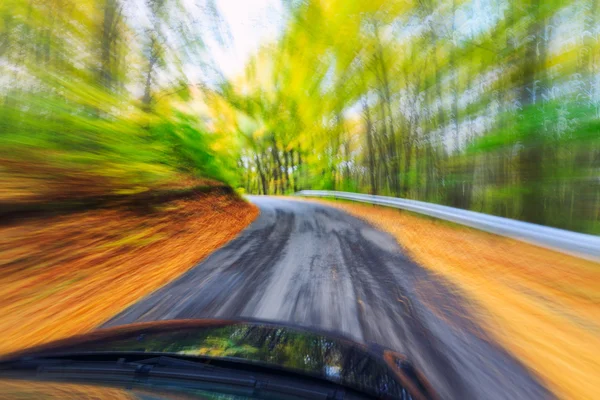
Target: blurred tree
(491, 106)
(95, 99)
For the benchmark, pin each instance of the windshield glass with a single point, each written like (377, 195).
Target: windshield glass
(326, 357)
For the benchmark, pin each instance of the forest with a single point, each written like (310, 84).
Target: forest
(97, 99)
(488, 105)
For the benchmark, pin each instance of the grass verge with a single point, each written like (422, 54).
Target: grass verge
(65, 275)
(23, 389)
(542, 306)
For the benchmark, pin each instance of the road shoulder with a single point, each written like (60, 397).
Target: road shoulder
(523, 293)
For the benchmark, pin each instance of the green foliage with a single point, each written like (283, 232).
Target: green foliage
(492, 106)
(72, 120)
(186, 148)
(554, 123)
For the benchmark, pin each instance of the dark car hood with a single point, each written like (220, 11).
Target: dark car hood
(333, 357)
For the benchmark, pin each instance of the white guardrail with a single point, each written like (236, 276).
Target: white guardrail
(573, 243)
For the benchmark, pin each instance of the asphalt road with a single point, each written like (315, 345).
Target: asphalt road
(317, 266)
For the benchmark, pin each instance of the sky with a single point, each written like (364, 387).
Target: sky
(251, 23)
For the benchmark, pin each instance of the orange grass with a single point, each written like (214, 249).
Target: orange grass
(68, 391)
(541, 305)
(28, 389)
(65, 275)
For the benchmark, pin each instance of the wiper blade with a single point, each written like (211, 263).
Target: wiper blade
(108, 362)
(155, 367)
(15, 367)
(135, 368)
(171, 361)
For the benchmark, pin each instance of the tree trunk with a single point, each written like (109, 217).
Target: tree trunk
(370, 148)
(294, 171)
(261, 173)
(285, 169)
(392, 149)
(277, 169)
(106, 50)
(300, 168)
(147, 99)
(531, 156)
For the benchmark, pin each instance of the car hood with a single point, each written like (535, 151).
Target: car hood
(371, 369)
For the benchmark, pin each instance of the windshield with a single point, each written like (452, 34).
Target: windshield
(279, 348)
(419, 176)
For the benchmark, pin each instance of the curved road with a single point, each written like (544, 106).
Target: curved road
(317, 266)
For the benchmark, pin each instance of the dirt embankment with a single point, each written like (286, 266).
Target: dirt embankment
(66, 274)
(541, 305)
